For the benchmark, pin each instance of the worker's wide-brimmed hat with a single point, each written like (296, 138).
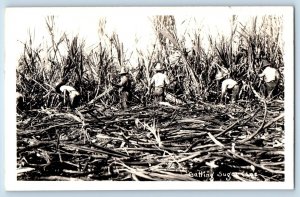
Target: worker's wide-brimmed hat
(222, 73)
(58, 85)
(265, 63)
(219, 76)
(123, 71)
(159, 67)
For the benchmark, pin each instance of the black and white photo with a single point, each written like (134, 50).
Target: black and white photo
(149, 98)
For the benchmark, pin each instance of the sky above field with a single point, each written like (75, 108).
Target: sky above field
(129, 26)
(133, 26)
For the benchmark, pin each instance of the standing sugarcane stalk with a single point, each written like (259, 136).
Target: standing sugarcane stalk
(170, 34)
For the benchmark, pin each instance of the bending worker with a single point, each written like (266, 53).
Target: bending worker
(159, 81)
(70, 94)
(230, 86)
(20, 102)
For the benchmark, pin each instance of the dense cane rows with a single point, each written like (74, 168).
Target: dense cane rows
(183, 112)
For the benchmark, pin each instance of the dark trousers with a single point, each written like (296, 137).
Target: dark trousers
(74, 101)
(270, 87)
(124, 99)
(159, 93)
(20, 104)
(234, 93)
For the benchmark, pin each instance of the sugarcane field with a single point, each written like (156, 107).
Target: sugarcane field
(196, 104)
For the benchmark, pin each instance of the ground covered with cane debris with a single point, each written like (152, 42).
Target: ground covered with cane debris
(196, 135)
(201, 141)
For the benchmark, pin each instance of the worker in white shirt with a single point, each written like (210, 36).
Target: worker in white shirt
(270, 76)
(70, 94)
(159, 81)
(230, 86)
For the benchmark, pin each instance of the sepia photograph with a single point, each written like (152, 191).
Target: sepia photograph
(110, 98)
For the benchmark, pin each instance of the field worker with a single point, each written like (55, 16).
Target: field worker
(20, 101)
(230, 86)
(125, 85)
(159, 81)
(220, 77)
(70, 94)
(222, 72)
(270, 76)
(241, 57)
